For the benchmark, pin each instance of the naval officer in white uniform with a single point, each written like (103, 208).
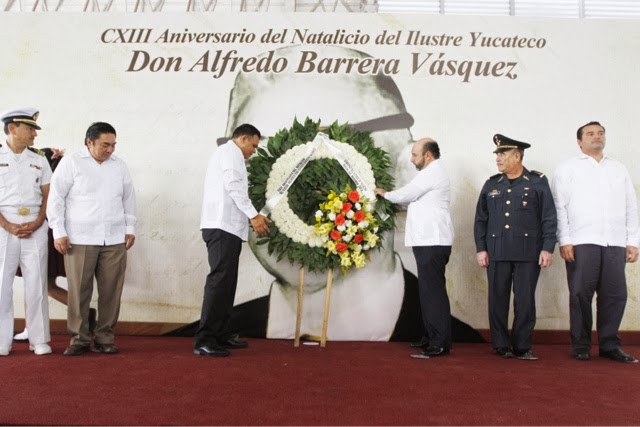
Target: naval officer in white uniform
(24, 186)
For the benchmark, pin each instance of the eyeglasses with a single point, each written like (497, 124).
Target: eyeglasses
(391, 122)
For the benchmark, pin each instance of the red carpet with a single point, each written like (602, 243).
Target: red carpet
(157, 381)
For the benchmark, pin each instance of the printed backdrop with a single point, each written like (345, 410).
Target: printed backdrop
(165, 81)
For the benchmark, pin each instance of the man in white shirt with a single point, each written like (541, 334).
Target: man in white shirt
(226, 207)
(429, 230)
(24, 186)
(92, 214)
(598, 234)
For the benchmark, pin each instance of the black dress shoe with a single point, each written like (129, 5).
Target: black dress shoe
(581, 355)
(504, 352)
(423, 343)
(234, 343)
(104, 348)
(436, 351)
(211, 350)
(618, 355)
(526, 355)
(76, 350)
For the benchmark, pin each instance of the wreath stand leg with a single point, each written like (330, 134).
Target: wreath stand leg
(296, 342)
(327, 301)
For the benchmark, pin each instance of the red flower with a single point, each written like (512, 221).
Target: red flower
(339, 219)
(335, 235)
(354, 196)
(358, 238)
(346, 207)
(341, 247)
(359, 216)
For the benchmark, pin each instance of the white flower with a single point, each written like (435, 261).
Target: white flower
(348, 222)
(363, 224)
(341, 227)
(366, 247)
(375, 229)
(358, 206)
(350, 214)
(332, 216)
(347, 238)
(319, 213)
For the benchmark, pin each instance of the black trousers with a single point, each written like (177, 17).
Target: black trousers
(220, 286)
(597, 269)
(524, 278)
(434, 301)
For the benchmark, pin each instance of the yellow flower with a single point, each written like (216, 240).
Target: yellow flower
(371, 239)
(359, 260)
(345, 261)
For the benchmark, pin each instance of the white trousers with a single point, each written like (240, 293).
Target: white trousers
(31, 254)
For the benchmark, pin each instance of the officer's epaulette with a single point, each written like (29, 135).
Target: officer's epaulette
(540, 174)
(495, 176)
(35, 150)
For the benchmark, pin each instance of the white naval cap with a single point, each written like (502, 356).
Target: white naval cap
(27, 116)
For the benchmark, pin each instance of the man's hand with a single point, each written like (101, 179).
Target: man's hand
(632, 254)
(380, 192)
(566, 252)
(31, 226)
(483, 259)
(62, 244)
(260, 224)
(129, 240)
(57, 153)
(546, 259)
(18, 230)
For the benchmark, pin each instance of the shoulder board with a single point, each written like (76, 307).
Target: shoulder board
(540, 174)
(35, 150)
(495, 176)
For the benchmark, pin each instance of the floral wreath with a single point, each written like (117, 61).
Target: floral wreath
(293, 233)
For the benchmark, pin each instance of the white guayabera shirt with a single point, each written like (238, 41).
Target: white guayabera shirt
(596, 203)
(92, 203)
(226, 204)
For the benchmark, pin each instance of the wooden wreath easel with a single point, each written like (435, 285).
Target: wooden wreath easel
(325, 317)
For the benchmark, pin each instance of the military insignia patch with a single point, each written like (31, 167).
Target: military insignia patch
(494, 193)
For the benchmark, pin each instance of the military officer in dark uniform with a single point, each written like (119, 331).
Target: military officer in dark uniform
(515, 234)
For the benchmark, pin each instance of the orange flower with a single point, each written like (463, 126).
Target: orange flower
(346, 207)
(341, 247)
(354, 196)
(335, 235)
(359, 216)
(358, 238)
(339, 219)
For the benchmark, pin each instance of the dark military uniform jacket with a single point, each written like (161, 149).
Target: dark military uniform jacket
(516, 220)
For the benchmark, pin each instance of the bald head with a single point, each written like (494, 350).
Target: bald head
(423, 152)
(429, 145)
